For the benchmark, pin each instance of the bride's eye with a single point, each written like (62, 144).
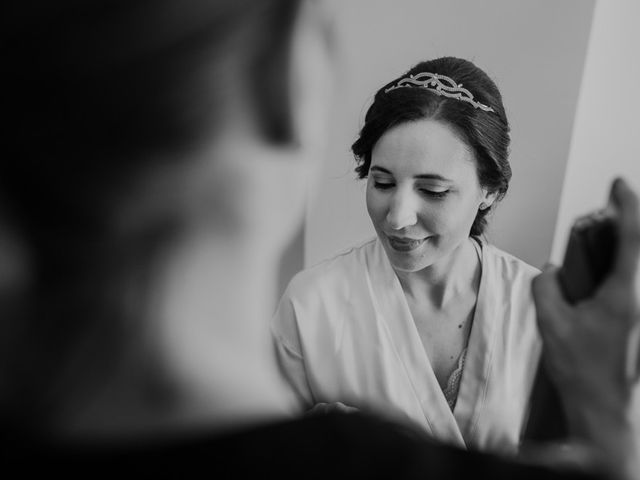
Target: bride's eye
(434, 193)
(383, 185)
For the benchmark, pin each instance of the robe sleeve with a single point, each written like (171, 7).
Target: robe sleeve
(284, 330)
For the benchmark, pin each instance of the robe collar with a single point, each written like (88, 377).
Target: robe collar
(393, 310)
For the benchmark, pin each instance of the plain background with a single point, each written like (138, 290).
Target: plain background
(606, 136)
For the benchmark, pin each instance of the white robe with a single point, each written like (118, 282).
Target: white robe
(344, 333)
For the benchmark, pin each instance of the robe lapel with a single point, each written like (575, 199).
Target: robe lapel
(475, 383)
(393, 314)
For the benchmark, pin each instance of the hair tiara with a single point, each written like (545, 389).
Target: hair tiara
(440, 85)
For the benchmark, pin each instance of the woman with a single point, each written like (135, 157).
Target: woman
(427, 321)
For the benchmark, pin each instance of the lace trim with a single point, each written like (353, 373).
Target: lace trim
(453, 382)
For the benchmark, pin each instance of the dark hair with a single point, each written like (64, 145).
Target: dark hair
(96, 93)
(486, 133)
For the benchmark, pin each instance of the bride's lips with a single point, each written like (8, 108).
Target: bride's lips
(402, 244)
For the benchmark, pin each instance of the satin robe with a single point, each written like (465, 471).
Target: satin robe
(344, 333)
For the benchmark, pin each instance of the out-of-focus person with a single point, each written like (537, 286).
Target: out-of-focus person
(154, 168)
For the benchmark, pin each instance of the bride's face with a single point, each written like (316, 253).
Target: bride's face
(423, 193)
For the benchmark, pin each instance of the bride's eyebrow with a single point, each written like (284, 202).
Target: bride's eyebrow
(433, 176)
(381, 170)
(422, 176)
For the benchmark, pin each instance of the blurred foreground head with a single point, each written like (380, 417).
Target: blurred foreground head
(154, 168)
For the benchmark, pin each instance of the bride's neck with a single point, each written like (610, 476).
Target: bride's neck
(446, 280)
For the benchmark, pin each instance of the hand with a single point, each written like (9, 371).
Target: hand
(591, 348)
(324, 408)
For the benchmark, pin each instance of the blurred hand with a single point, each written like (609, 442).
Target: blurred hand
(591, 348)
(324, 408)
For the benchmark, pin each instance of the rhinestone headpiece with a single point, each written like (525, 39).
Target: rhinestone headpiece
(440, 85)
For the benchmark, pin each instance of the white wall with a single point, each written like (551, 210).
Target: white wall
(606, 137)
(533, 49)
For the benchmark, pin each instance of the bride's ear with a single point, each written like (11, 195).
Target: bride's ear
(488, 200)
